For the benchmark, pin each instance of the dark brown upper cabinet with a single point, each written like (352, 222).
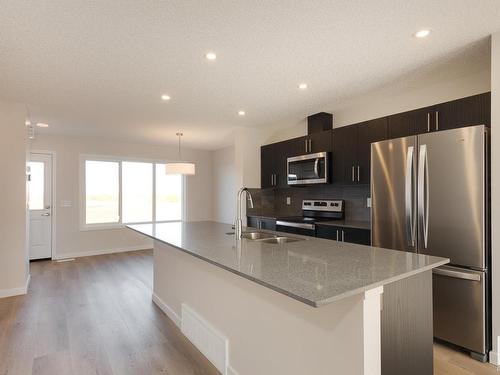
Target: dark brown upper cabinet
(271, 157)
(470, 111)
(312, 143)
(352, 150)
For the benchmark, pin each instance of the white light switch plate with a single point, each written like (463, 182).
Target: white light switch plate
(288, 201)
(66, 203)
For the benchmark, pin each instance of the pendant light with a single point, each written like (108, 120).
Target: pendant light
(180, 167)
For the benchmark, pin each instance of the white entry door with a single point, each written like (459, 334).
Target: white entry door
(40, 205)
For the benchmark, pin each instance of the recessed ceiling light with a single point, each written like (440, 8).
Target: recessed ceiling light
(211, 56)
(42, 125)
(302, 86)
(241, 113)
(165, 97)
(422, 33)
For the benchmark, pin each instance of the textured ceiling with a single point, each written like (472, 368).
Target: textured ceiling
(98, 68)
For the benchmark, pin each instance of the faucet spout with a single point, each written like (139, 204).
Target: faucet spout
(238, 225)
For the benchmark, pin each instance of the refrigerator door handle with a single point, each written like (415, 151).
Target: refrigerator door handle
(456, 274)
(423, 193)
(409, 176)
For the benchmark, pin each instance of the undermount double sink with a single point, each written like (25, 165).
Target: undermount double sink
(269, 237)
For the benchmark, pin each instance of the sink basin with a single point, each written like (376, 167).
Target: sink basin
(256, 235)
(281, 240)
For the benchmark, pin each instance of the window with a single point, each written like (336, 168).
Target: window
(36, 185)
(127, 191)
(168, 195)
(102, 192)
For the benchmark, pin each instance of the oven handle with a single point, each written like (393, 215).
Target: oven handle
(316, 165)
(295, 225)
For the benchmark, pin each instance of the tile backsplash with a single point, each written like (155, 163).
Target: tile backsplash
(273, 202)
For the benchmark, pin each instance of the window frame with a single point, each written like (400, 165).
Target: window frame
(120, 225)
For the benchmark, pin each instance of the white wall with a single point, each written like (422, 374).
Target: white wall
(461, 76)
(70, 240)
(13, 246)
(495, 189)
(224, 191)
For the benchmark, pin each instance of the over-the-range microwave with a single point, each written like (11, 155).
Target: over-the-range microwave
(308, 169)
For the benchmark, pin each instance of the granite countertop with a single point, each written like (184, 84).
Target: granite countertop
(314, 271)
(347, 224)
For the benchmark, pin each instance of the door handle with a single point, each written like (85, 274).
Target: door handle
(428, 122)
(437, 120)
(409, 175)
(456, 274)
(358, 173)
(46, 214)
(352, 173)
(423, 193)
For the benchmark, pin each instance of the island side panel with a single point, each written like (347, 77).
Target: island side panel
(406, 323)
(268, 333)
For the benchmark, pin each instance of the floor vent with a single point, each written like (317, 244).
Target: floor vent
(206, 338)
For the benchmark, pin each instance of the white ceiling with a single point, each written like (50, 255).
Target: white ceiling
(98, 68)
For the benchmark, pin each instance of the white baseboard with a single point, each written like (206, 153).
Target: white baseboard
(101, 252)
(167, 310)
(231, 371)
(16, 291)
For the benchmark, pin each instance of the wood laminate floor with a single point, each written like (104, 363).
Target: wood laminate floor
(95, 316)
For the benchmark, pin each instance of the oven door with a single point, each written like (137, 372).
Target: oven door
(306, 229)
(308, 169)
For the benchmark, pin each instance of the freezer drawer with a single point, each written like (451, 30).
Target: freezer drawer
(459, 307)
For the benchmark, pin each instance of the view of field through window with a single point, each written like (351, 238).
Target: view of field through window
(139, 203)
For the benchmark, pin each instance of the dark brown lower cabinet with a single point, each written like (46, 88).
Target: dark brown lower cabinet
(261, 223)
(344, 234)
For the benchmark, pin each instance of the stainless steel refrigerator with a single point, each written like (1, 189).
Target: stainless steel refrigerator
(430, 194)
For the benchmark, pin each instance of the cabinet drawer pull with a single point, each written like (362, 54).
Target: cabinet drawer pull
(305, 143)
(352, 173)
(310, 145)
(342, 236)
(358, 173)
(428, 122)
(337, 235)
(437, 120)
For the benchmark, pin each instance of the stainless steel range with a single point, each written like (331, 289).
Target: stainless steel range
(313, 211)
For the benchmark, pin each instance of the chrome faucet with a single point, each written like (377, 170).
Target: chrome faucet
(238, 226)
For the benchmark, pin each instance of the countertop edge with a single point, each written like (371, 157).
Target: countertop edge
(314, 304)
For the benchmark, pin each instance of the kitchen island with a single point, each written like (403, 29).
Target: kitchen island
(308, 306)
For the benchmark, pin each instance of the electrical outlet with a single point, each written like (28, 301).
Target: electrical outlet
(368, 202)
(288, 201)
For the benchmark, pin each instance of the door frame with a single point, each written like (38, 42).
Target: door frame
(54, 205)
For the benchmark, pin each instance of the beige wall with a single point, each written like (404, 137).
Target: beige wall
(495, 189)
(13, 246)
(70, 240)
(462, 76)
(224, 190)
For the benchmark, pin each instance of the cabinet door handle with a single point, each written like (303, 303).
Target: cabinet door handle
(358, 173)
(352, 173)
(274, 179)
(305, 142)
(428, 122)
(437, 120)
(310, 145)
(342, 235)
(271, 179)
(337, 235)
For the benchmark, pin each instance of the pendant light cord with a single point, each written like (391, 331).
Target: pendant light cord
(179, 134)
